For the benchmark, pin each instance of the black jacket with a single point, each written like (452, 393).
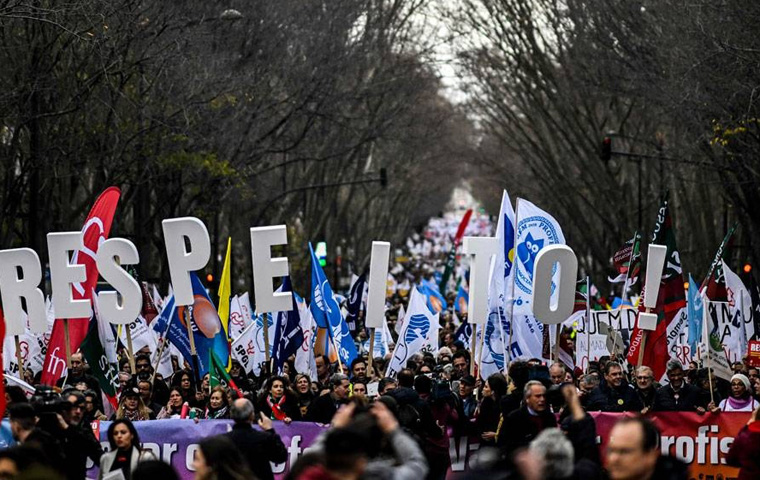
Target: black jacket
(686, 400)
(322, 409)
(609, 399)
(258, 448)
(646, 396)
(520, 427)
(78, 443)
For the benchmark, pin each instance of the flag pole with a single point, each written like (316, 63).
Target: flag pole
(265, 324)
(508, 361)
(130, 351)
(335, 347)
(19, 360)
(643, 344)
(191, 337)
(162, 345)
(706, 339)
(588, 319)
(472, 348)
(371, 353)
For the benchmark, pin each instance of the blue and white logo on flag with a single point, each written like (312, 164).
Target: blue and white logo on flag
(288, 336)
(326, 312)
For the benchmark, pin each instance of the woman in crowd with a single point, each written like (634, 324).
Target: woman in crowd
(740, 399)
(125, 452)
(279, 402)
(303, 392)
(132, 407)
(173, 408)
(489, 412)
(218, 404)
(217, 458)
(183, 380)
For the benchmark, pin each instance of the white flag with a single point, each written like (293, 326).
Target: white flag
(414, 333)
(743, 328)
(142, 335)
(535, 229)
(305, 360)
(249, 347)
(400, 320)
(494, 352)
(243, 315)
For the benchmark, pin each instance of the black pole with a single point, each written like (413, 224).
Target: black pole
(640, 210)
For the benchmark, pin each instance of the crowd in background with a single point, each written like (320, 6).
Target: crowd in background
(532, 420)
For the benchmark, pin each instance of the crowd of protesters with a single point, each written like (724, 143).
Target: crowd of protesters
(532, 420)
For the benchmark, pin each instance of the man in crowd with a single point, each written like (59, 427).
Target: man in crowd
(524, 424)
(258, 448)
(23, 420)
(77, 375)
(677, 395)
(160, 391)
(633, 453)
(386, 385)
(323, 369)
(322, 409)
(359, 369)
(645, 387)
(616, 395)
(466, 396)
(77, 441)
(461, 362)
(557, 373)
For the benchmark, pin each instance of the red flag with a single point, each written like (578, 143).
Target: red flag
(149, 310)
(670, 300)
(96, 229)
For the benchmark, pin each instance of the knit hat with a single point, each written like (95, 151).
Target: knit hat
(743, 378)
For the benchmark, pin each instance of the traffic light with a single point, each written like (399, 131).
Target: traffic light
(606, 152)
(747, 268)
(383, 177)
(210, 278)
(321, 253)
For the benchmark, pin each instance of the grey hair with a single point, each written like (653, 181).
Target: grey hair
(556, 452)
(590, 379)
(558, 365)
(241, 410)
(528, 386)
(646, 369)
(336, 379)
(673, 365)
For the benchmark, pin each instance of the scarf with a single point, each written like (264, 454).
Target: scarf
(218, 413)
(277, 412)
(133, 416)
(739, 403)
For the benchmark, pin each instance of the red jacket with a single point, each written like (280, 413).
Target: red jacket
(745, 452)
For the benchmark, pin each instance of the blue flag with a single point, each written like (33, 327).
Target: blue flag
(694, 310)
(207, 328)
(326, 312)
(463, 298)
(435, 301)
(355, 296)
(288, 336)
(464, 333)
